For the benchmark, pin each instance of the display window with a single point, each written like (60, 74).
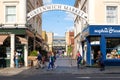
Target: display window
(112, 48)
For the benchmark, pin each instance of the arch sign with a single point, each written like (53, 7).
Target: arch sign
(57, 7)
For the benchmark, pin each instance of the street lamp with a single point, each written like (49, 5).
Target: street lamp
(34, 44)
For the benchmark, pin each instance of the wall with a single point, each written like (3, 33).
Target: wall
(50, 40)
(20, 10)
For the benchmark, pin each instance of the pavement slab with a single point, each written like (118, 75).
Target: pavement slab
(63, 65)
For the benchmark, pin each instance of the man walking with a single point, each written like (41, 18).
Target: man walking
(39, 60)
(101, 61)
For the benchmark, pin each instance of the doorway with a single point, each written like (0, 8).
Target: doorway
(94, 53)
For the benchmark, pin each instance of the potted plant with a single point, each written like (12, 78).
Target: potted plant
(32, 58)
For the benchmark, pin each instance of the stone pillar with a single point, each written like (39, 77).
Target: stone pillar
(80, 48)
(12, 46)
(26, 54)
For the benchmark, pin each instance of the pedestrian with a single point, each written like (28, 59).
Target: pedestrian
(51, 61)
(43, 62)
(39, 60)
(2, 59)
(79, 59)
(101, 61)
(54, 59)
(16, 55)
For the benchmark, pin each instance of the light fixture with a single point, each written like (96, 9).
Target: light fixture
(1, 25)
(28, 25)
(15, 24)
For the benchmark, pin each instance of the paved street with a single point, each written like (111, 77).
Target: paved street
(66, 70)
(65, 62)
(62, 76)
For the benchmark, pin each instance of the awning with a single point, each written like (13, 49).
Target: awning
(38, 43)
(22, 40)
(29, 33)
(38, 36)
(2, 38)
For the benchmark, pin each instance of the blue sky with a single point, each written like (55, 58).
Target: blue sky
(58, 22)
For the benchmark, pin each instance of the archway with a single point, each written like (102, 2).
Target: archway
(62, 7)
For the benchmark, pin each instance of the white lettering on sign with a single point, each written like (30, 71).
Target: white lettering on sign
(57, 7)
(107, 30)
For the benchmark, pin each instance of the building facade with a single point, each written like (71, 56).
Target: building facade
(50, 36)
(59, 44)
(101, 31)
(70, 41)
(78, 26)
(48, 40)
(16, 33)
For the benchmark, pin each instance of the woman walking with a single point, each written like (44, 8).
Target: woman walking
(79, 59)
(51, 61)
(16, 55)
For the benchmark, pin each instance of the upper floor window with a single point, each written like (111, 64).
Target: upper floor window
(111, 14)
(11, 14)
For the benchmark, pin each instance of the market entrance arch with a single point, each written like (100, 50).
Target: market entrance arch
(62, 7)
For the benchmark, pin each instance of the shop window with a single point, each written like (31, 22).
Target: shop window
(95, 40)
(113, 48)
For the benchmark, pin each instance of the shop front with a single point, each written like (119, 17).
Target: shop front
(21, 40)
(105, 38)
(10, 40)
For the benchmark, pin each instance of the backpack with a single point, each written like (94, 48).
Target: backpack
(79, 58)
(39, 57)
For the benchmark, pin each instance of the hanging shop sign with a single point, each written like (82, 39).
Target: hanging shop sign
(57, 7)
(104, 29)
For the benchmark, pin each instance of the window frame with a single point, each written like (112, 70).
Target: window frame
(10, 15)
(116, 17)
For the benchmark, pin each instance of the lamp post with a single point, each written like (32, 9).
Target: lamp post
(34, 44)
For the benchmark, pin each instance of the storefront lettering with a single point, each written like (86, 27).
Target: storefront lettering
(57, 7)
(107, 30)
(5, 32)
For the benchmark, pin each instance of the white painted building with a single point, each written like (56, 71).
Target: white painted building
(16, 32)
(50, 36)
(102, 27)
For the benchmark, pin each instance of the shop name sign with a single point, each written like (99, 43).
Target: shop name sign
(57, 7)
(5, 32)
(106, 30)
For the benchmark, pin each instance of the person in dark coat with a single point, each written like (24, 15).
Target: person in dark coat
(101, 61)
(79, 59)
(39, 60)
